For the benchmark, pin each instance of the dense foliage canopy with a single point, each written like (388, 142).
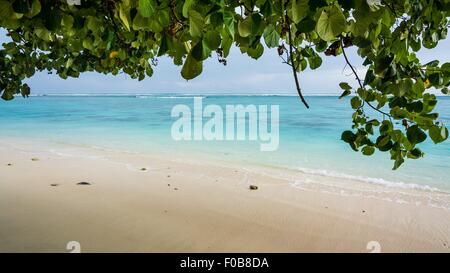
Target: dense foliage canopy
(393, 108)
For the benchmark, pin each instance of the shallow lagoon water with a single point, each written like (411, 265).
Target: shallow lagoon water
(309, 138)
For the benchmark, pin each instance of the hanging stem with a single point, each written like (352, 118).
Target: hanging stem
(294, 71)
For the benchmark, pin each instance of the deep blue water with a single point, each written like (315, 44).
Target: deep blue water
(309, 139)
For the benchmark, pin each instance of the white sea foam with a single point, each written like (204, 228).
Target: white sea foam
(166, 97)
(372, 180)
(179, 97)
(161, 95)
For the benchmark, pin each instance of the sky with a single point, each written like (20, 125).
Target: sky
(242, 75)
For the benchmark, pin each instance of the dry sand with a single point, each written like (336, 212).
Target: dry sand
(177, 204)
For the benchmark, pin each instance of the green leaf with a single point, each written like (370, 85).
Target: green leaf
(164, 46)
(368, 150)
(266, 8)
(21, 6)
(216, 19)
(25, 90)
(228, 20)
(307, 25)
(415, 134)
(415, 153)
(345, 86)
(200, 52)
(88, 43)
(187, 6)
(245, 27)
(67, 21)
(212, 39)
(438, 134)
(300, 9)
(35, 9)
(191, 68)
(398, 161)
(257, 25)
(6, 10)
(255, 52)
(355, 102)
(124, 17)
(331, 23)
(227, 41)
(271, 37)
(52, 20)
(348, 136)
(43, 33)
(315, 62)
(147, 7)
(7, 95)
(382, 64)
(382, 141)
(345, 93)
(195, 23)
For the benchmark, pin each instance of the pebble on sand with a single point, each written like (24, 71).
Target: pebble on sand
(35, 159)
(253, 187)
(54, 184)
(9, 164)
(143, 169)
(83, 183)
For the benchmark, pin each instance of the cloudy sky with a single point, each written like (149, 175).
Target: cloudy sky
(242, 75)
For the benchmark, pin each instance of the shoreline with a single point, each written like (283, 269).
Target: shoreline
(199, 205)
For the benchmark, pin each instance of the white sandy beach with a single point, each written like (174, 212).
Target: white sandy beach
(184, 204)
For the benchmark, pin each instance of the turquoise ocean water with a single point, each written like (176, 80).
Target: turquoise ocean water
(309, 139)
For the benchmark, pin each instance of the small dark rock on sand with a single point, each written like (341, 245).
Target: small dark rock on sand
(54, 184)
(35, 159)
(253, 187)
(83, 183)
(143, 169)
(363, 211)
(9, 164)
(175, 189)
(168, 176)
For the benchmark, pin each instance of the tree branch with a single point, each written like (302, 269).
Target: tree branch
(294, 71)
(360, 84)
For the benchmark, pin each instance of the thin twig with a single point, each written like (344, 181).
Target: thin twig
(294, 70)
(360, 84)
